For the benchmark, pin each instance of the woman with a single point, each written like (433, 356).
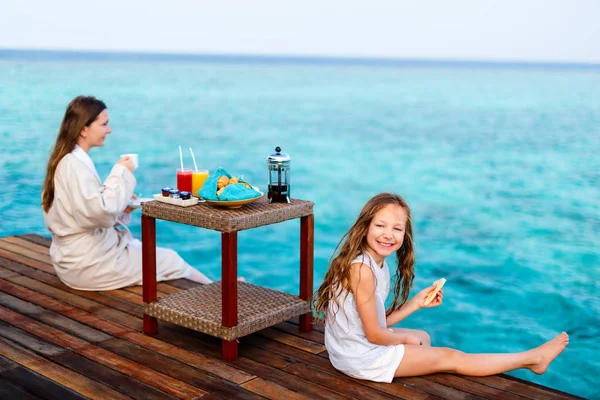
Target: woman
(92, 249)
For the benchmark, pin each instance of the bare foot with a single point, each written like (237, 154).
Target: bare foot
(548, 352)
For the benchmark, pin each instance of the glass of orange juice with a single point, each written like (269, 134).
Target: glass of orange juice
(198, 178)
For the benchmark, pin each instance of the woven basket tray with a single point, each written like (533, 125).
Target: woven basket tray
(200, 309)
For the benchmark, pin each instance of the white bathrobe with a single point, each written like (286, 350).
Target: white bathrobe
(91, 247)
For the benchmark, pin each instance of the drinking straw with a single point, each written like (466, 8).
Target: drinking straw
(194, 159)
(181, 158)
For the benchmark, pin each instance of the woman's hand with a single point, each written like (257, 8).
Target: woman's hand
(127, 163)
(128, 209)
(422, 295)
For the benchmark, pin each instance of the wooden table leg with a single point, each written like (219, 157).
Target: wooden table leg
(307, 245)
(149, 270)
(229, 294)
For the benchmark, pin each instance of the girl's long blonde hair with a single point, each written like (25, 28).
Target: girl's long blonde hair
(81, 112)
(353, 243)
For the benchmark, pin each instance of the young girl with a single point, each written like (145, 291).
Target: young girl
(352, 298)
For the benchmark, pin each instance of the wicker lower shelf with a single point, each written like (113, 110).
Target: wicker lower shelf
(200, 309)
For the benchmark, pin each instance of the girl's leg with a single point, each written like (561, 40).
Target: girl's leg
(425, 338)
(424, 360)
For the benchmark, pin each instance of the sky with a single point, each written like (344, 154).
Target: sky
(494, 30)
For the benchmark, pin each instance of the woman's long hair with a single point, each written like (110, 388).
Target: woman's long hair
(81, 112)
(353, 243)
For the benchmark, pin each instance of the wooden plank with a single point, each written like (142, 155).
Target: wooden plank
(318, 326)
(473, 387)
(65, 377)
(289, 381)
(45, 264)
(17, 257)
(337, 382)
(10, 391)
(88, 368)
(52, 335)
(272, 390)
(127, 296)
(216, 367)
(116, 362)
(178, 370)
(116, 380)
(313, 335)
(52, 319)
(138, 291)
(29, 341)
(26, 244)
(6, 364)
(264, 357)
(293, 353)
(166, 287)
(292, 340)
(427, 386)
(209, 345)
(35, 383)
(43, 240)
(518, 386)
(7, 274)
(184, 284)
(55, 282)
(77, 301)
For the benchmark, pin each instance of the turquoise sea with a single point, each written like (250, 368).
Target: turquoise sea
(499, 162)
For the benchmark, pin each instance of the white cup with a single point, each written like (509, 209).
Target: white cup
(134, 159)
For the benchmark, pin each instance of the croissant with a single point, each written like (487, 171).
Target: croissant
(438, 285)
(234, 180)
(222, 182)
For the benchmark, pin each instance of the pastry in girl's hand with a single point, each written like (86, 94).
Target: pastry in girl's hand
(438, 285)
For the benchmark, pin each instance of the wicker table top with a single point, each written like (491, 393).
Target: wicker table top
(258, 213)
(200, 309)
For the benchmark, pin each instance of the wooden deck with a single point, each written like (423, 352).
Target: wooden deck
(61, 343)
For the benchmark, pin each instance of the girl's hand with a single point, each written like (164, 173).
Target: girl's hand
(127, 163)
(422, 295)
(412, 339)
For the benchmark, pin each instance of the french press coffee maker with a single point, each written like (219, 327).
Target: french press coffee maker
(278, 165)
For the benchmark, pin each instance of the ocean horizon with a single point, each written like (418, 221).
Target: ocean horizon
(498, 161)
(136, 56)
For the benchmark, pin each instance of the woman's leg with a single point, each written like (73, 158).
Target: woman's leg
(424, 360)
(198, 276)
(424, 336)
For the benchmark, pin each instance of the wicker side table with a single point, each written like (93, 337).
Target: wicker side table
(200, 308)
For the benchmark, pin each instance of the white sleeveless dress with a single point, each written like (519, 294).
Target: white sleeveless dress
(349, 350)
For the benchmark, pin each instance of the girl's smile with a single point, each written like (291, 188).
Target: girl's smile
(386, 232)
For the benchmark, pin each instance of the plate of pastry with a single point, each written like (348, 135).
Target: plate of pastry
(234, 203)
